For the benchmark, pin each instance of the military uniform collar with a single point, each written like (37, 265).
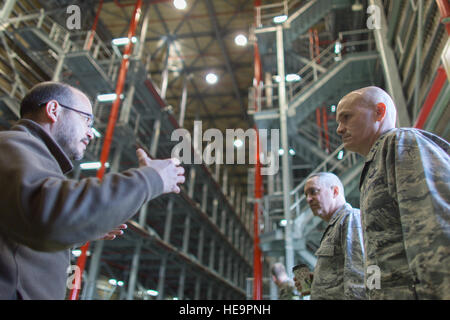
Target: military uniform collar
(338, 213)
(37, 131)
(374, 148)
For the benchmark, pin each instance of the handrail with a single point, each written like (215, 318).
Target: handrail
(328, 58)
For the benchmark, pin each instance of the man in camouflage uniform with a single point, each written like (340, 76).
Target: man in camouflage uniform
(285, 285)
(339, 272)
(405, 192)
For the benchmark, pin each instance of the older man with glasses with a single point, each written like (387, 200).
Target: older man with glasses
(44, 213)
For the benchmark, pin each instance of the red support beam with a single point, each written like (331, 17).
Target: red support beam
(444, 9)
(74, 293)
(257, 257)
(325, 129)
(432, 96)
(94, 27)
(441, 76)
(319, 126)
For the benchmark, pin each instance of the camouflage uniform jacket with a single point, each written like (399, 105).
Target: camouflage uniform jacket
(405, 215)
(339, 270)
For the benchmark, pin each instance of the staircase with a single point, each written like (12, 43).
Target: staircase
(344, 65)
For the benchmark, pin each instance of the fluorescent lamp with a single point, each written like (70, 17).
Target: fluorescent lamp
(292, 152)
(180, 4)
(211, 78)
(293, 77)
(152, 293)
(123, 41)
(108, 97)
(240, 40)
(92, 165)
(340, 155)
(76, 252)
(280, 19)
(120, 283)
(333, 108)
(337, 47)
(281, 152)
(238, 143)
(112, 282)
(96, 133)
(283, 223)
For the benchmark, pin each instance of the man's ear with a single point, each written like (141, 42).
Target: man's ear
(381, 111)
(51, 110)
(335, 191)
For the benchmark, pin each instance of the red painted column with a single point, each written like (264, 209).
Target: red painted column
(441, 76)
(257, 257)
(74, 293)
(94, 27)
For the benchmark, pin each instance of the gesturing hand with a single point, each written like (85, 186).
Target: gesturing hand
(169, 170)
(114, 233)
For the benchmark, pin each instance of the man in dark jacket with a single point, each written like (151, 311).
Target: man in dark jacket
(43, 213)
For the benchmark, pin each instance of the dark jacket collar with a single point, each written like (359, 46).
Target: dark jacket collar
(37, 131)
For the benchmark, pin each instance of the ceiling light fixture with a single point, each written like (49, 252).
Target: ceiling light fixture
(293, 77)
(92, 165)
(240, 40)
(238, 143)
(180, 4)
(211, 78)
(280, 19)
(357, 6)
(108, 97)
(123, 41)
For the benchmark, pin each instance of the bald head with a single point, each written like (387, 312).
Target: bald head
(371, 97)
(363, 115)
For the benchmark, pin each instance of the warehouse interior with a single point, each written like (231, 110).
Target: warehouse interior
(223, 64)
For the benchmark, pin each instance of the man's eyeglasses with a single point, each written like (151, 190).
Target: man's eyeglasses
(89, 118)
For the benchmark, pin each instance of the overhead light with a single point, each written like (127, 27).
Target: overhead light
(108, 97)
(120, 283)
(76, 252)
(112, 282)
(333, 108)
(211, 78)
(283, 223)
(293, 77)
(152, 293)
(96, 133)
(337, 47)
(292, 152)
(280, 19)
(281, 152)
(238, 143)
(240, 40)
(92, 165)
(340, 155)
(180, 4)
(123, 41)
(357, 6)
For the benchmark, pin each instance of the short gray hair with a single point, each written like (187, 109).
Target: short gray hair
(329, 179)
(44, 92)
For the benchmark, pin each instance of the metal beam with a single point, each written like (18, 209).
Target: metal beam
(390, 68)
(215, 23)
